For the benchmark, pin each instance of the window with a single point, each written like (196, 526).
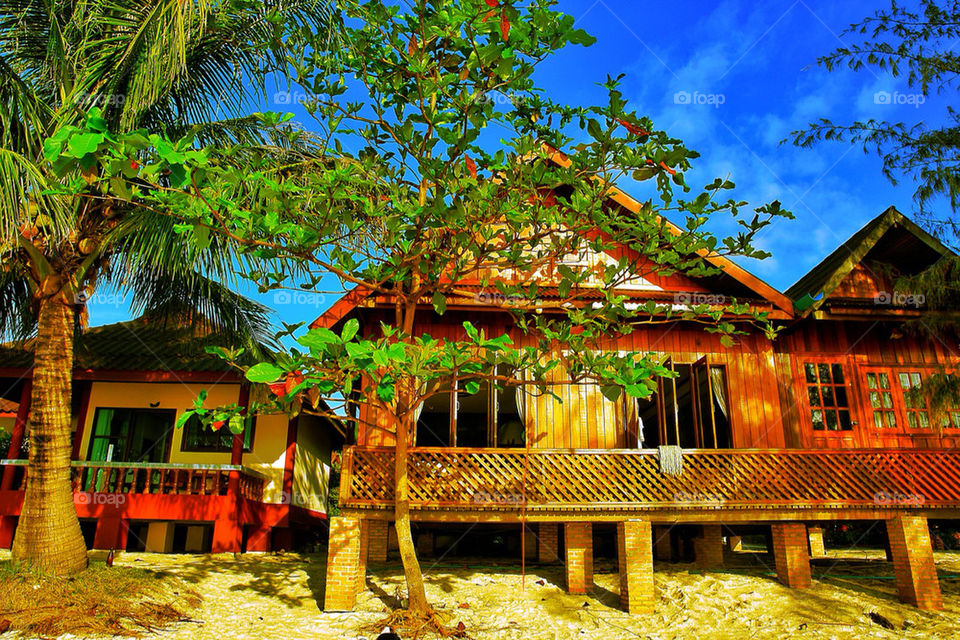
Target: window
(918, 417)
(690, 410)
(131, 435)
(487, 418)
(827, 396)
(197, 437)
(881, 400)
(891, 403)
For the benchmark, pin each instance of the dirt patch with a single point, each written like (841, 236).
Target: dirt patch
(280, 596)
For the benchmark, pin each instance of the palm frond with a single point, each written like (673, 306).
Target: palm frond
(17, 317)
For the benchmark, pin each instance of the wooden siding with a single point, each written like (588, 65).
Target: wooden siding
(859, 347)
(587, 420)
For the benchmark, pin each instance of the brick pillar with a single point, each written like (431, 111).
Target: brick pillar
(425, 543)
(578, 538)
(735, 543)
(917, 581)
(377, 542)
(548, 547)
(661, 544)
(709, 547)
(635, 562)
(815, 536)
(362, 555)
(529, 543)
(790, 554)
(343, 559)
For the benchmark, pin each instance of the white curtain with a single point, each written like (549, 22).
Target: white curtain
(718, 383)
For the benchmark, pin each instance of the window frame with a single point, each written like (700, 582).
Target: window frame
(900, 403)
(853, 403)
(188, 449)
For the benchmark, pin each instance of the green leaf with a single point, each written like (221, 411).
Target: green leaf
(236, 424)
(350, 329)
(439, 302)
(83, 143)
(472, 387)
(182, 420)
(264, 372)
(611, 392)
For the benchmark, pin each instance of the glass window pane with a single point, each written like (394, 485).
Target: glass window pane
(872, 380)
(887, 400)
(956, 420)
(813, 396)
(810, 371)
(845, 424)
(841, 393)
(924, 420)
(827, 393)
(904, 380)
(912, 419)
(877, 420)
(884, 381)
(874, 399)
(817, 417)
(891, 419)
(914, 379)
(837, 374)
(832, 420)
(824, 370)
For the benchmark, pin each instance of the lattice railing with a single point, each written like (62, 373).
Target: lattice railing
(556, 480)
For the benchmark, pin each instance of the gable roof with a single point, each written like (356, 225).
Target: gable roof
(134, 345)
(743, 278)
(812, 290)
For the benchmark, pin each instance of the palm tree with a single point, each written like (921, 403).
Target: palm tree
(175, 66)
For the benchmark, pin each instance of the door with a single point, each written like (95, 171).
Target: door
(131, 435)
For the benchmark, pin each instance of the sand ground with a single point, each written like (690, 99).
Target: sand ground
(280, 596)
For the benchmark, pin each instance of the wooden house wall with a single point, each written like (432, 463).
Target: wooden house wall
(584, 419)
(857, 346)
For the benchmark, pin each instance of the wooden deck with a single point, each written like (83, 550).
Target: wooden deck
(742, 484)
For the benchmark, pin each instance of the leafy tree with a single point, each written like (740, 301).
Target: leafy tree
(915, 43)
(415, 195)
(183, 68)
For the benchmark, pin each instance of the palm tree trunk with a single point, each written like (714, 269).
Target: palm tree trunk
(416, 594)
(48, 534)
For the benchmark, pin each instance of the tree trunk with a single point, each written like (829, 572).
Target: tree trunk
(416, 593)
(48, 535)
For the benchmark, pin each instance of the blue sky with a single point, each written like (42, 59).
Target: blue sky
(731, 79)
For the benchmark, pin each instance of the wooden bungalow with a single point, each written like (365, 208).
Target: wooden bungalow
(142, 484)
(785, 435)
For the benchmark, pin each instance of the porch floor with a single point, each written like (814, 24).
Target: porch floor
(259, 596)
